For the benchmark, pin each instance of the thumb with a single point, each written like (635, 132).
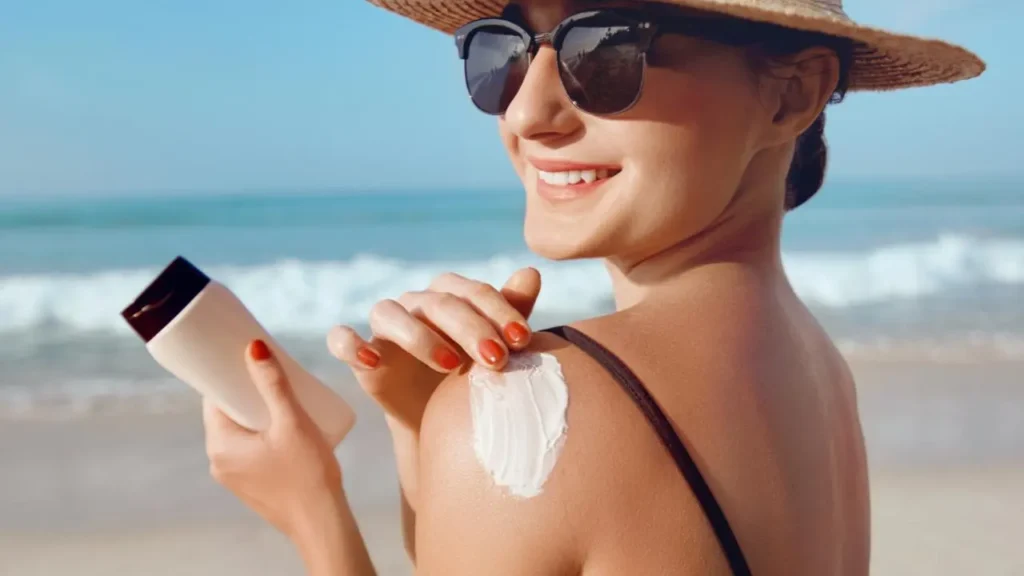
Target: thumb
(269, 378)
(522, 289)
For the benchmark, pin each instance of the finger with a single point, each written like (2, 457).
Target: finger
(391, 321)
(222, 435)
(522, 289)
(458, 320)
(269, 377)
(348, 346)
(391, 384)
(489, 303)
(217, 423)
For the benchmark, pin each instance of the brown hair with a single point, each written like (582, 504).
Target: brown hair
(807, 169)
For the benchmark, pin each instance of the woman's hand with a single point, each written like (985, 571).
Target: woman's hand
(421, 337)
(287, 473)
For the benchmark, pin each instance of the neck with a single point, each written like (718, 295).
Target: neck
(747, 234)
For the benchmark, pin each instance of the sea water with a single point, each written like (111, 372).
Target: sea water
(887, 266)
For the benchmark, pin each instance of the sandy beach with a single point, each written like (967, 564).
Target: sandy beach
(125, 491)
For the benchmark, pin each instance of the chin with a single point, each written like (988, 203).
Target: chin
(558, 242)
(553, 250)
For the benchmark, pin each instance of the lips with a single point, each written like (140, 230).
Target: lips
(566, 180)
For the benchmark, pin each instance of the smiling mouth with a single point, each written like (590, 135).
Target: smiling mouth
(575, 177)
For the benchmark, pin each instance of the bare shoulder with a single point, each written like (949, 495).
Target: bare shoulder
(497, 490)
(546, 468)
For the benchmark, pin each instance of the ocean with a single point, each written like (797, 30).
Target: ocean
(890, 268)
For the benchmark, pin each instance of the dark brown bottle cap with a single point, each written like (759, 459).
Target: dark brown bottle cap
(169, 293)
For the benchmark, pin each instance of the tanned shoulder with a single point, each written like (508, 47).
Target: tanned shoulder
(504, 494)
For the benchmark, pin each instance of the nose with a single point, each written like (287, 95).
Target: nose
(541, 110)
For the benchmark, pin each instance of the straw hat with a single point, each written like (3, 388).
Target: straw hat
(882, 60)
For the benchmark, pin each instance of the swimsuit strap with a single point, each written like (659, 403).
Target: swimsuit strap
(667, 434)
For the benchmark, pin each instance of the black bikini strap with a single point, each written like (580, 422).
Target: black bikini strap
(636, 390)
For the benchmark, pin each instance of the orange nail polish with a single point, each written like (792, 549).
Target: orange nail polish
(516, 333)
(258, 350)
(491, 351)
(368, 357)
(446, 358)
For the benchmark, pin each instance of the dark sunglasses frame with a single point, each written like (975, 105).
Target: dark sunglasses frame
(647, 23)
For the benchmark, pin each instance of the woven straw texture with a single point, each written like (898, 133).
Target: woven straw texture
(883, 60)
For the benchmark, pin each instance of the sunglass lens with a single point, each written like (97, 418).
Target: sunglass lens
(602, 66)
(496, 64)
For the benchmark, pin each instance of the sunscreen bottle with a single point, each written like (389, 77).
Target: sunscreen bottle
(199, 331)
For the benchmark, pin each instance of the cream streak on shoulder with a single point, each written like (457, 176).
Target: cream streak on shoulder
(519, 421)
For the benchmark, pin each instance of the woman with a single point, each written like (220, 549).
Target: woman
(708, 426)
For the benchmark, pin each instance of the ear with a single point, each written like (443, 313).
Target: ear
(807, 81)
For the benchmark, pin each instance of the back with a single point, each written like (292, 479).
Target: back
(765, 406)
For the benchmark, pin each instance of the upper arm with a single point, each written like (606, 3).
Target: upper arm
(467, 522)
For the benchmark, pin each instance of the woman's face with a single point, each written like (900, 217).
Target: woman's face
(675, 159)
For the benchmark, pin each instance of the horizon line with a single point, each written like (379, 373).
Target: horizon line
(323, 190)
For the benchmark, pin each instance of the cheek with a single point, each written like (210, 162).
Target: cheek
(693, 137)
(511, 143)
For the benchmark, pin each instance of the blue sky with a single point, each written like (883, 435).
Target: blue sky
(123, 96)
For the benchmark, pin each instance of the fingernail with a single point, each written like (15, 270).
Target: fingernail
(516, 332)
(446, 358)
(258, 350)
(491, 351)
(368, 357)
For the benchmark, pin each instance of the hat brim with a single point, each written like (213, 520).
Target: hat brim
(883, 60)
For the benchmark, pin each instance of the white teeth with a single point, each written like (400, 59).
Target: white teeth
(571, 177)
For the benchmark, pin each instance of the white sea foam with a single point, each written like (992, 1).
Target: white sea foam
(306, 298)
(905, 271)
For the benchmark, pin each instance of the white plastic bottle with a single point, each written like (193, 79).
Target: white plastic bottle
(199, 331)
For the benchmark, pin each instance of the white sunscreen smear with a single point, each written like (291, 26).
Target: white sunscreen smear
(519, 422)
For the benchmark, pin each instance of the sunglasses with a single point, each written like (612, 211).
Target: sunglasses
(602, 54)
